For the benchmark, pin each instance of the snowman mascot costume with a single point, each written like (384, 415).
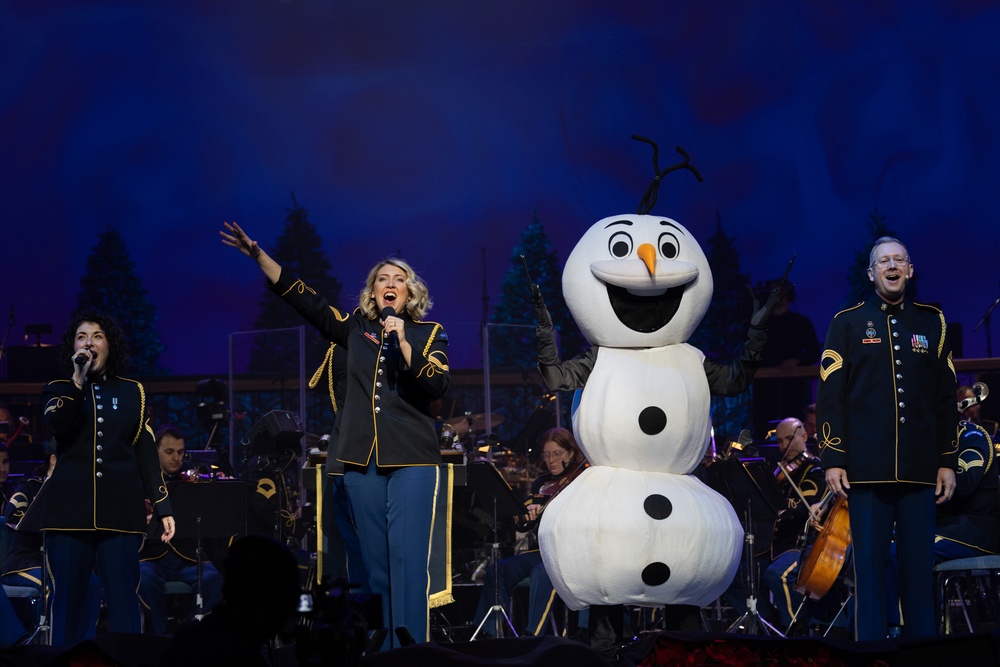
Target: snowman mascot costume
(637, 527)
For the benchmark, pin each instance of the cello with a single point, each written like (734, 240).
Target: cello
(828, 553)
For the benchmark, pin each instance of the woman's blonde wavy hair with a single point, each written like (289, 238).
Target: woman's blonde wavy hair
(417, 305)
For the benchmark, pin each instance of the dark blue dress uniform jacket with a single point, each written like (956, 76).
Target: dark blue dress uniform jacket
(107, 463)
(387, 404)
(886, 405)
(972, 516)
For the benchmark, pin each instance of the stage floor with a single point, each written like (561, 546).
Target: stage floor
(653, 650)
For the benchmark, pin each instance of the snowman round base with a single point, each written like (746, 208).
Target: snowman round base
(619, 536)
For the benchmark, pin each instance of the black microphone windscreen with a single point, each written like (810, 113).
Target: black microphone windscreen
(389, 311)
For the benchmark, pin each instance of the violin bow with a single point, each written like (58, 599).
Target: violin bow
(813, 512)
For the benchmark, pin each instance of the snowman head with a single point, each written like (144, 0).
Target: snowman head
(637, 281)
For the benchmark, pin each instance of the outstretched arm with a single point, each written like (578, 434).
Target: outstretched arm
(237, 238)
(558, 375)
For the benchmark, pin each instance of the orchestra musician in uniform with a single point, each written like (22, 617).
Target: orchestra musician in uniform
(176, 560)
(969, 525)
(564, 461)
(801, 477)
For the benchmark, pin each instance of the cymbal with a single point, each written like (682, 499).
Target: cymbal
(466, 423)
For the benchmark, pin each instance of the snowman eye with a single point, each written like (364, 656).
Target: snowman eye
(669, 246)
(620, 244)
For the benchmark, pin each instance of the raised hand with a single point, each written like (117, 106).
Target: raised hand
(541, 312)
(761, 314)
(238, 239)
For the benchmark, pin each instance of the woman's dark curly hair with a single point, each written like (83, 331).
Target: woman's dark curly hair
(117, 348)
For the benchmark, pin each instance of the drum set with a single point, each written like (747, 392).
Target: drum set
(472, 434)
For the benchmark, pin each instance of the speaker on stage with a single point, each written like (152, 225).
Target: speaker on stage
(276, 431)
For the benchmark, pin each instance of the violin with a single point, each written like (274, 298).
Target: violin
(549, 490)
(784, 470)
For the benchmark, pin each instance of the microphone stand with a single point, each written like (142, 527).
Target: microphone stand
(497, 608)
(986, 321)
(751, 622)
(245, 443)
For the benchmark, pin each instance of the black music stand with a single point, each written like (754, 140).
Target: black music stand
(487, 483)
(31, 522)
(202, 510)
(751, 488)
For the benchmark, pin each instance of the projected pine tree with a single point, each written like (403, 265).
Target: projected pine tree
(859, 286)
(111, 285)
(723, 330)
(514, 346)
(299, 250)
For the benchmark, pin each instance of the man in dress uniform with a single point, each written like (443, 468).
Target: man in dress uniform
(887, 437)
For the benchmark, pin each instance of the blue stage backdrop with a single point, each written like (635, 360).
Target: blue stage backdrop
(437, 130)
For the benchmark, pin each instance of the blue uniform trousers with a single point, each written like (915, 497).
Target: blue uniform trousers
(875, 510)
(154, 575)
(948, 550)
(91, 612)
(72, 557)
(780, 579)
(342, 554)
(394, 511)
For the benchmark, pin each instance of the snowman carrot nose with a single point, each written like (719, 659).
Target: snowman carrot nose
(647, 253)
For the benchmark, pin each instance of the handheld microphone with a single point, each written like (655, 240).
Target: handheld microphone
(81, 360)
(389, 311)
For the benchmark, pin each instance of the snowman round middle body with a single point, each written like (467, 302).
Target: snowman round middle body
(636, 527)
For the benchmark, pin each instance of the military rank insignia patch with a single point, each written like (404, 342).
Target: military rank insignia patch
(830, 362)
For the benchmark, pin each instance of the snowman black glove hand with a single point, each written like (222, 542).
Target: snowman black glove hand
(541, 312)
(762, 314)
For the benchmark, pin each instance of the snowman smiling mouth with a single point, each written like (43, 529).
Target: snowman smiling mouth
(647, 312)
